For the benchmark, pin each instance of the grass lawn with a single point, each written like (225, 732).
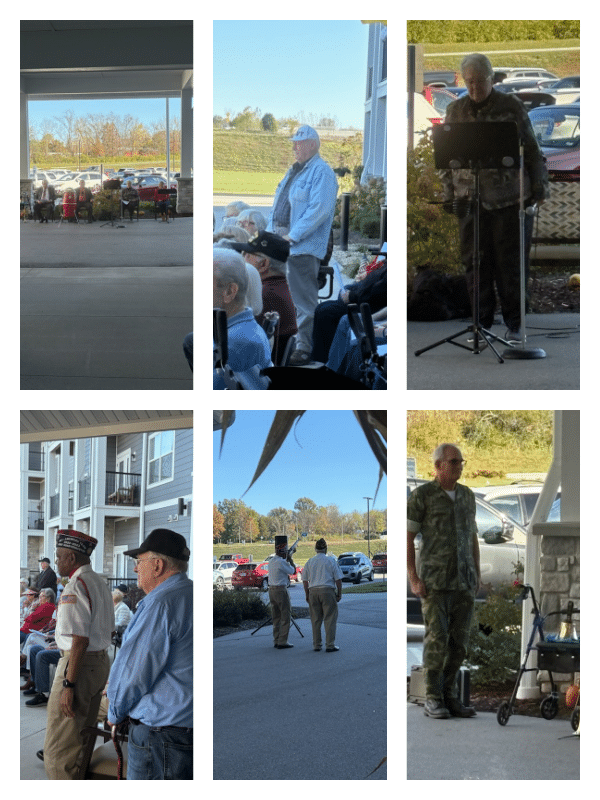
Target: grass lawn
(241, 183)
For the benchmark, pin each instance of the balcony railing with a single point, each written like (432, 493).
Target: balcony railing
(35, 516)
(123, 488)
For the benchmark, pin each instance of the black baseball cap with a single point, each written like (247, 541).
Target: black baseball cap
(165, 542)
(266, 244)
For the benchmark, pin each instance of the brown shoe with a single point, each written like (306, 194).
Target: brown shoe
(29, 685)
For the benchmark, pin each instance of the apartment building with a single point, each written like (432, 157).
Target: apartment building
(115, 488)
(375, 128)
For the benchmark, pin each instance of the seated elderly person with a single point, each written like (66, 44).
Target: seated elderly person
(130, 198)
(268, 253)
(248, 346)
(83, 200)
(372, 289)
(44, 198)
(42, 614)
(251, 221)
(122, 612)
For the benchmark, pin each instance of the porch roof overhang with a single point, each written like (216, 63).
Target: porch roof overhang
(47, 426)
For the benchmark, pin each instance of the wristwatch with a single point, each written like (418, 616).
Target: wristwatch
(68, 685)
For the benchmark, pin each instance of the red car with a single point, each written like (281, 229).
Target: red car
(251, 574)
(237, 557)
(557, 130)
(379, 562)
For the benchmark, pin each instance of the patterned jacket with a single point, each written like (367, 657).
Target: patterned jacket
(447, 527)
(498, 187)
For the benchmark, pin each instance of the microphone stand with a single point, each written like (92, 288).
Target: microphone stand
(452, 151)
(523, 352)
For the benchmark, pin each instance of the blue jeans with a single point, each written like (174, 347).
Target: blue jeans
(160, 754)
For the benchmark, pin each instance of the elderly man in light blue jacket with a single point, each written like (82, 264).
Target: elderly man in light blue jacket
(303, 212)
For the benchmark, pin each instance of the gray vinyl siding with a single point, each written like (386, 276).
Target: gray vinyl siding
(181, 485)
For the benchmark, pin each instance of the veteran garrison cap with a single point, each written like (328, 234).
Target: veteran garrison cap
(75, 540)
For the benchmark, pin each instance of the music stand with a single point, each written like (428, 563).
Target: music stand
(112, 187)
(475, 146)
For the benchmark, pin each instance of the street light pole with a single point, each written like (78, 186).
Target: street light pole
(368, 526)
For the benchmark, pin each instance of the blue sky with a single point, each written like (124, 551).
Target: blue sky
(284, 67)
(146, 110)
(325, 457)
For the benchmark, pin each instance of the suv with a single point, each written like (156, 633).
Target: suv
(237, 557)
(355, 566)
(380, 562)
(251, 574)
(525, 73)
(517, 501)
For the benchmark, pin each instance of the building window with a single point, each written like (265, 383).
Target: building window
(160, 457)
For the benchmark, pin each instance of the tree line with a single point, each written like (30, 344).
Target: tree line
(234, 521)
(254, 120)
(101, 136)
(445, 31)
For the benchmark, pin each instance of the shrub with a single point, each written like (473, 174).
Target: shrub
(230, 608)
(495, 638)
(365, 208)
(432, 234)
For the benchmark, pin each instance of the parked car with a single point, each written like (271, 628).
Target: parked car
(225, 569)
(501, 546)
(524, 73)
(237, 557)
(218, 580)
(557, 130)
(439, 98)
(440, 77)
(380, 562)
(517, 501)
(426, 117)
(92, 180)
(254, 574)
(355, 567)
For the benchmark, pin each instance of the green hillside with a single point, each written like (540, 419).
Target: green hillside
(272, 152)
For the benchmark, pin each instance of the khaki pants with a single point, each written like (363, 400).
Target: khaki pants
(323, 609)
(281, 611)
(63, 745)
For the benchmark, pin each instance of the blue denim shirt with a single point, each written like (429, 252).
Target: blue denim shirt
(247, 346)
(312, 199)
(151, 678)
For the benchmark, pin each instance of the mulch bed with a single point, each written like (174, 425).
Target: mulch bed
(550, 293)
(251, 624)
(489, 698)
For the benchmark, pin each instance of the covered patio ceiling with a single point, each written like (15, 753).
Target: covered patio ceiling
(111, 59)
(46, 426)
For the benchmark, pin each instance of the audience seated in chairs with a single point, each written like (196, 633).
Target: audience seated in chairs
(44, 199)
(268, 252)
(162, 201)
(247, 342)
(42, 614)
(372, 289)
(130, 199)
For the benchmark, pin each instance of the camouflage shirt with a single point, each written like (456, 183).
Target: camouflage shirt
(447, 527)
(498, 187)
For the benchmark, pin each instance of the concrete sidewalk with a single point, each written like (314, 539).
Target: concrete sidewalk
(299, 714)
(527, 748)
(451, 367)
(106, 308)
(33, 733)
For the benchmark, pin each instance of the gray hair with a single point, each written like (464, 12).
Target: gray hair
(438, 453)
(230, 267)
(173, 564)
(277, 266)
(480, 63)
(50, 594)
(253, 216)
(117, 595)
(237, 206)
(254, 293)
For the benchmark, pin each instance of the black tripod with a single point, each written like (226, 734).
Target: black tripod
(475, 146)
(270, 622)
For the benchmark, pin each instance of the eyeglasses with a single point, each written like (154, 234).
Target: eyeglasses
(455, 461)
(142, 560)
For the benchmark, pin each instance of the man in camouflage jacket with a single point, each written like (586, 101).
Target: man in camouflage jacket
(443, 512)
(499, 195)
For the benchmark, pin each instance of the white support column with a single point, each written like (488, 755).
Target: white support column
(98, 500)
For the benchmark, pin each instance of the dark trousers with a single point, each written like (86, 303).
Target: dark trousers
(88, 207)
(447, 617)
(499, 247)
(39, 206)
(327, 317)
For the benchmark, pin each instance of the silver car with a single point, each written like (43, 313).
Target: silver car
(355, 567)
